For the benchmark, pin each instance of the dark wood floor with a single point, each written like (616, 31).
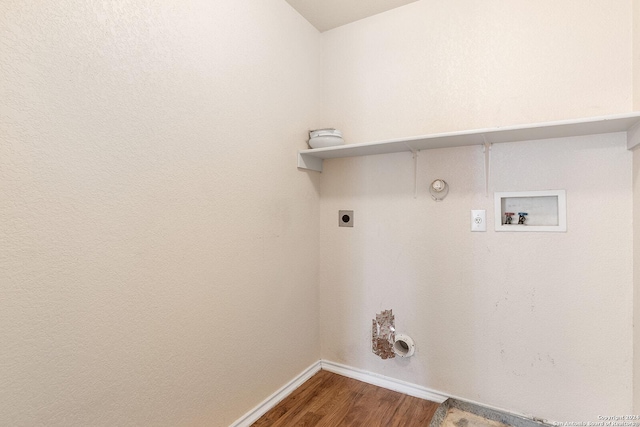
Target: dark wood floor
(328, 400)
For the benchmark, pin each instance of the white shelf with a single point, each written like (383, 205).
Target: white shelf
(630, 123)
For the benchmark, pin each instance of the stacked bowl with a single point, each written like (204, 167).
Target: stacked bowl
(321, 138)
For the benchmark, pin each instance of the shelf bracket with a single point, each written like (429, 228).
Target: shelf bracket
(309, 162)
(487, 164)
(414, 152)
(415, 173)
(633, 136)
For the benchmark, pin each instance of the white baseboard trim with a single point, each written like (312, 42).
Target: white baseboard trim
(357, 374)
(384, 382)
(406, 387)
(270, 402)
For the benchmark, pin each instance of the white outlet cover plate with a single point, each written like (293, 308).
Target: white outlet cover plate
(478, 220)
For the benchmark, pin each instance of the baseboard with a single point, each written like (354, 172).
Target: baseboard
(408, 388)
(270, 402)
(357, 374)
(384, 382)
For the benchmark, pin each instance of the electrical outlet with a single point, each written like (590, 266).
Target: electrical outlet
(345, 218)
(479, 220)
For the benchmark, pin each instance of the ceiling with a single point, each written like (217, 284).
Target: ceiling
(328, 14)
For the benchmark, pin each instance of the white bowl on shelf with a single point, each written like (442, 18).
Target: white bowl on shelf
(325, 141)
(328, 137)
(325, 132)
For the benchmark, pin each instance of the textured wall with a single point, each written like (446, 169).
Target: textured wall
(636, 281)
(158, 248)
(636, 212)
(435, 66)
(536, 323)
(636, 55)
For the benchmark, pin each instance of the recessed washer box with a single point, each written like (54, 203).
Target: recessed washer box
(543, 210)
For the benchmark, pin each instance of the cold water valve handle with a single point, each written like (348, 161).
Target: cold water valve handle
(522, 217)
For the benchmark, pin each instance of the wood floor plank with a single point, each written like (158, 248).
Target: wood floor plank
(287, 407)
(418, 411)
(364, 407)
(386, 407)
(309, 419)
(340, 401)
(343, 391)
(331, 400)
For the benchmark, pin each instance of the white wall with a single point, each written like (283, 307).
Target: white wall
(534, 323)
(636, 213)
(636, 54)
(441, 66)
(158, 249)
(636, 281)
